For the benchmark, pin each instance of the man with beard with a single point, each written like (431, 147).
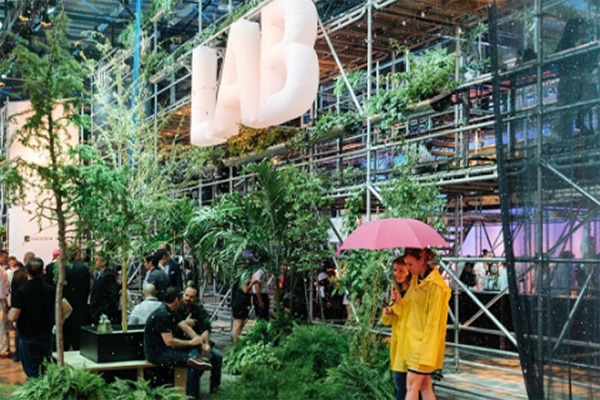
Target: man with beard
(194, 315)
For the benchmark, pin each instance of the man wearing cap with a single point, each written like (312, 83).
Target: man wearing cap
(49, 268)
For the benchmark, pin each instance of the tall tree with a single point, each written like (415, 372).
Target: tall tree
(54, 81)
(279, 222)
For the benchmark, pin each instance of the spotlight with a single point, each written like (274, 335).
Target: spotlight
(225, 5)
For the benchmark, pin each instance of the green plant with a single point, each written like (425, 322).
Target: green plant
(330, 121)
(256, 140)
(75, 384)
(357, 80)
(406, 197)
(140, 390)
(299, 367)
(255, 348)
(318, 347)
(358, 381)
(431, 73)
(272, 222)
(54, 81)
(6, 390)
(64, 383)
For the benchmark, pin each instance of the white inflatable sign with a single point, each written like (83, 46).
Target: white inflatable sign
(267, 78)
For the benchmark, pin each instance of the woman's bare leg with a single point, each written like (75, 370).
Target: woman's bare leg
(427, 392)
(236, 331)
(416, 383)
(413, 385)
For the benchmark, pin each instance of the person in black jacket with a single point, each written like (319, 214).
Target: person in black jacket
(76, 291)
(104, 295)
(33, 310)
(170, 266)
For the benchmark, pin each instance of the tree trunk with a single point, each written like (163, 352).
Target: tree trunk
(62, 243)
(124, 292)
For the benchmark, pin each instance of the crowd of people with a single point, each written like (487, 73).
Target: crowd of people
(177, 327)
(484, 275)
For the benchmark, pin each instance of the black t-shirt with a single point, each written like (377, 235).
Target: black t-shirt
(198, 313)
(162, 320)
(35, 299)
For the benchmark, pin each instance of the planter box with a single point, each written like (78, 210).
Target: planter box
(112, 347)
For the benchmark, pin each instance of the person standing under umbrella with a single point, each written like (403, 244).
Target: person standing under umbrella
(424, 323)
(391, 316)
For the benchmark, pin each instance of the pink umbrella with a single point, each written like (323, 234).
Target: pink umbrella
(391, 233)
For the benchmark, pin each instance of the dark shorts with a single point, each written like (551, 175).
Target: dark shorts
(426, 373)
(240, 313)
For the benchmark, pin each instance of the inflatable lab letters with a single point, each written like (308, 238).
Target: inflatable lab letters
(267, 77)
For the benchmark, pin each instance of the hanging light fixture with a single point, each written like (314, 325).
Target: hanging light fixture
(225, 5)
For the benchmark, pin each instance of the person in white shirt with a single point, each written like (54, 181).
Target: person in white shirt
(480, 270)
(503, 277)
(260, 294)
(4, 296)
(140, 312)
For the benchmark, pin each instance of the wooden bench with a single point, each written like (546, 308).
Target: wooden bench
(76, 360)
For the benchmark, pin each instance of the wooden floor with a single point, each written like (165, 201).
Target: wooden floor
(10, 370)
(484, 378)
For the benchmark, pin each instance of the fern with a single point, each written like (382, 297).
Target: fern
(140, 390)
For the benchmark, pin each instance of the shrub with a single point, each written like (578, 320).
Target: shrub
(319, 346)
(140, 390)
(76, 384)
(64, 383)
(358, 381)
(296, 369)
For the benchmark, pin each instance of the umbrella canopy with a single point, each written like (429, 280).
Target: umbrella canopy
(391, 233)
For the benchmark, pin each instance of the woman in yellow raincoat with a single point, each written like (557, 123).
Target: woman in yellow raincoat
(391, 316)
(423, 323)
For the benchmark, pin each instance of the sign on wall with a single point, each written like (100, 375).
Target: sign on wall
(270, 73)
(25, 232)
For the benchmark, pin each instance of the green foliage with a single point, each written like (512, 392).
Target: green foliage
(358, 381)
(316, 346)
(140, 390)
(331, 121)
(64, 383)
(54, 81)
(406, 197)
(6, 390)
(103, 205)
(357, 80)
(256, 140)
(74, 384)
(303, 361)
(366, 278)
(132, 147)
(279, 222)
(431, 73)
(253, 349)
(250, 356)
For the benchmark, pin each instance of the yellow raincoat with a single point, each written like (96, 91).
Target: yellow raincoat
(394, 320)
(423, 329)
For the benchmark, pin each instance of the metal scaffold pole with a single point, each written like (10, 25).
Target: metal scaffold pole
(369, 89)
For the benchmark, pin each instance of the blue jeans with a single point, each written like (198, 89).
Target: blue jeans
(32, 352)
(216, 360)
(178, 358)
(400, 383)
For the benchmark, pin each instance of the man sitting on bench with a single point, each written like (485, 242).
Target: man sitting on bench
(163, 349)
(194, 315)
